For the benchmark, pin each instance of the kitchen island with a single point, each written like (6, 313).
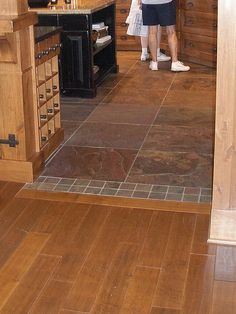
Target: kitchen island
(83, 64)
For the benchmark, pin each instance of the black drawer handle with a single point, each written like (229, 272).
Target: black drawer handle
(214, 24)
(190, 5)
(123, 37)
(214, 49)
(123, 24)
(191, 44)
(123, 11)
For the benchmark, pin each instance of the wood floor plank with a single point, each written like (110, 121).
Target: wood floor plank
(224, 300)
(52, 298)
(140, 292)
(113, 290)
(50, 219)
(18, 263)
(158, 310)
(31, 285)
(89, 279)
(225, 268)
(76, 252)
(170, 288)
(9, 243)
(156, 240)
(136, 226)
(23, 224)
(200, 245)
(10, 213)
(199, 286)
(31, 215)
(65, 229)
(181, 207)
(8, 192)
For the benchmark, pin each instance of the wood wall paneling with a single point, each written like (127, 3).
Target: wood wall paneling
(223, 220)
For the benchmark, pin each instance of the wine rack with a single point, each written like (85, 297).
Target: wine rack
(47, 82)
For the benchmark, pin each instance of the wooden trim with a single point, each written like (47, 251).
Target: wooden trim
(222, 229)
(223, 218)
(182, 207)
(11, 24)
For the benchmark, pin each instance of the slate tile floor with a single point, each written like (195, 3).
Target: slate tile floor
(146, 135)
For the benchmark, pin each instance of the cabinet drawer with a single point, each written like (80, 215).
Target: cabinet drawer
(199, 23)
(207, 6)
(126, 42)
(126, 3)
(200, 49)
(122, 11)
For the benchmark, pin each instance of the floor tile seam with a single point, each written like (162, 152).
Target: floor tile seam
(104, 147)
(116, 84)
(147, 134)
(117, 123)
(101, 102)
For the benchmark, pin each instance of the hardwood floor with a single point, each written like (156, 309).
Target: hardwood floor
(63, 256)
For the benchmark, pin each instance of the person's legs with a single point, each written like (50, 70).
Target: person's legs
(172, 42)
(160, 56)
(167, 17)
(153, 42)
(144, 45)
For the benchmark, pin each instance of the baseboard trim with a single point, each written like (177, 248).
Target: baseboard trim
(183, 207)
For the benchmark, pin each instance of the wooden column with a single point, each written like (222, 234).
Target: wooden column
(17, 91)
(223, 219)
(13, 7)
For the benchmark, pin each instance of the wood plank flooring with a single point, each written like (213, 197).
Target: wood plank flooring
(63, 256)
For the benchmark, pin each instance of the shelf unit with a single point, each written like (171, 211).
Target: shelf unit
(48, 90)
(78, 55)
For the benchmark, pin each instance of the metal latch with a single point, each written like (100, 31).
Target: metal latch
(12, 142)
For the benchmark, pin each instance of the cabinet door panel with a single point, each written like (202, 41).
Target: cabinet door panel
(199, 49)
(199, 23)
(75, 62)
(207, 6)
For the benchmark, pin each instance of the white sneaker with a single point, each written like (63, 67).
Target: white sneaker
(144, 56)
(163, 57)
(179, 67)
(153, 66)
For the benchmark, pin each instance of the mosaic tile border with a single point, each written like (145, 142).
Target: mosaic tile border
(122, 189)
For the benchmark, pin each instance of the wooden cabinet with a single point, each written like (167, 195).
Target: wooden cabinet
(26, 141)
(79, 55)
(196, 24)
(124, 41)
(198, 27)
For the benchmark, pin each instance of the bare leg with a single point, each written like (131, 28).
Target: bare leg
(159, 31)
(153, 42)
(144, 42)
(173, 42)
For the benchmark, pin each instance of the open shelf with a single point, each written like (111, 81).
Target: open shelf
(100, 47)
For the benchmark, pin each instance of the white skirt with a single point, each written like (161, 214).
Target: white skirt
(135, 21)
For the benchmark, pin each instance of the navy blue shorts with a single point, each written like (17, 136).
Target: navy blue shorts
(159, 14)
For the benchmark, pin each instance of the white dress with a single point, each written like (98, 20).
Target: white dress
(135, 21)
